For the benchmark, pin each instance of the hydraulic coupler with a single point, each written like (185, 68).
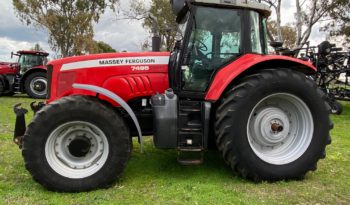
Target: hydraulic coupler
(20, 126)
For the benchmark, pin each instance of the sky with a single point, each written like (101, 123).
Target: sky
(120, 34)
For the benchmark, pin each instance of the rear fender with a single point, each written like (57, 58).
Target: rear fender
(116, 99)
(250, 63)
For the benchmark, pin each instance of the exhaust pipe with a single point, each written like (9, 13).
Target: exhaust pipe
(156, 44)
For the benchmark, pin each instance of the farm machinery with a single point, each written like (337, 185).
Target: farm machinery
(333, 70)
(28, 75)
(217, 88)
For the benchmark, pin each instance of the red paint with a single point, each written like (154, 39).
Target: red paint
(227, 74)
(6, 69)
(130, 84)
(122, 80)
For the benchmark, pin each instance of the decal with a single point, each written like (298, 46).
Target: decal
(137, 68)
(137, 63)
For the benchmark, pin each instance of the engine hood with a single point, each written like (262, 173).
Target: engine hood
(111, 59)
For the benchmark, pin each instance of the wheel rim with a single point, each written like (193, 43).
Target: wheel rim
(280, 128)
(38, 85)
(76, 149)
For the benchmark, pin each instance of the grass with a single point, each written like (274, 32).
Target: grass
(156, 178)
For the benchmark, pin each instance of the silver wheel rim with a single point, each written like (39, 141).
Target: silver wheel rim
(36, 85)
(76, 149)
(280, 128)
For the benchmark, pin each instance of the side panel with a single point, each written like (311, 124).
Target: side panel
(230, 72)
(133, 86)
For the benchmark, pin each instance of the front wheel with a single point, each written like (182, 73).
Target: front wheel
(273, 125)
(76, 144)
(36, 85)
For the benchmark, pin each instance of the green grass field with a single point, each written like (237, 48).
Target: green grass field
(156, 178)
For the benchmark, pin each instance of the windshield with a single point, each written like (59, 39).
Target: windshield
(214, 41)
(27, 61)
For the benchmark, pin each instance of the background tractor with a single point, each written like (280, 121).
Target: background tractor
(28, 75)
(217, 88)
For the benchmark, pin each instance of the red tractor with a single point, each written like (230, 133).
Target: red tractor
(27, 76)
(217, 88)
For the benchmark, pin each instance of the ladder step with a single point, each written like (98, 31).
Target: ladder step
(190, 110)
(190, 149)
(190, 155)
(190, 162)
(191, 129)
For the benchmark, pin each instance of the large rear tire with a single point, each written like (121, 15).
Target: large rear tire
(273, 125)
(76, 144)
(36, 85)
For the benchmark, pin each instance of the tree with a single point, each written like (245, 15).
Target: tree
(102, 47)
(37, 47)
(158, 19)
(276, 6)
(340, 15)
(308, 14)
(288, 33)
(68, 22)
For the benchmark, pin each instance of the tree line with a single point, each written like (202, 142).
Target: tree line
(69, 23)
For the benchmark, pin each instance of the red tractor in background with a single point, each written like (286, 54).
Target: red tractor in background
(217, 88)
(28, 75)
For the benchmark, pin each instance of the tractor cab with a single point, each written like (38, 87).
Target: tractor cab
(211, 35)
(30, 59)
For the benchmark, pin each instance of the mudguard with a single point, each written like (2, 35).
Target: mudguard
(229, 73)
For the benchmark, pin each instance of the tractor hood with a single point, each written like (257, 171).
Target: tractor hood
(127, 74)
(8, 68)
(111, 59)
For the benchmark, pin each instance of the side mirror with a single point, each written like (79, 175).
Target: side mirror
(177, 6)
(276, 44)
(11, 55)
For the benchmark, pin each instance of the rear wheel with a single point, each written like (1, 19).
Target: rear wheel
(36, 85)
(76, 144)
(273, 125)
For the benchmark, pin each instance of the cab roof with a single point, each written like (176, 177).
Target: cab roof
(247, 4)
(40, 53)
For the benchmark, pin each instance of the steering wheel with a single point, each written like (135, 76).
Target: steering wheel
(201, 46)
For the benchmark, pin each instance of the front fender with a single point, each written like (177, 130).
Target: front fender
(116, 99)
(232, 71)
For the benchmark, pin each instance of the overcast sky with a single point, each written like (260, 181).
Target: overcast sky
(120, 34)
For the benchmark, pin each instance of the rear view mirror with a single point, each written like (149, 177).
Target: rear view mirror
(276, 44)
(177, 6)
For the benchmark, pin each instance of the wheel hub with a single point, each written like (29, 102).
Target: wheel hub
(38, 86)
(280, 128)
(272, 124)
(76, 149)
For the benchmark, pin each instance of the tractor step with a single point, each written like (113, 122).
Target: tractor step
(190, 155)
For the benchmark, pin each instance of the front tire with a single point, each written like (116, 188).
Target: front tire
(76, 144)
(36, 85)
(273, 125)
